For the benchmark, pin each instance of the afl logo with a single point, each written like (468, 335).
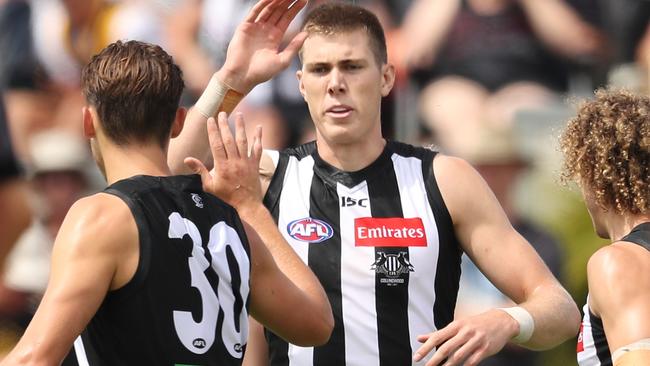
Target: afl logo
(310, 230)
(199, 343)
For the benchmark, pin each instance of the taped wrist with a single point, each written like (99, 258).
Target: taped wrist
(217, 96)
(526, 323)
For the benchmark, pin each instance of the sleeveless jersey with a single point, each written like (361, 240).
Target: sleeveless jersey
(187, 303)
(593, 349)
(381, 242)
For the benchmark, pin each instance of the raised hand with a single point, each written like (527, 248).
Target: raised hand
(235, 176)
(253, 53)
(468, 341)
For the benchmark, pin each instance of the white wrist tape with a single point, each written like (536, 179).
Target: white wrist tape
(643, 344)
(212, 97)
(526, 323)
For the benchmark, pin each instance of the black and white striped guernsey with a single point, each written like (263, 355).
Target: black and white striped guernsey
(592, 348)
(381, 242)
(187, 302)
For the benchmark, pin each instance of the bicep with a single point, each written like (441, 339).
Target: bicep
(485, 232)
(82, 271)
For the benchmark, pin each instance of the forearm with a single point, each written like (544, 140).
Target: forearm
(555, 314)
(428, 21)
(287, 260)
(220, 95)
(561, 28)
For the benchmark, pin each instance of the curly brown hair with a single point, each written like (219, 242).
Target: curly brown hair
(606, 150)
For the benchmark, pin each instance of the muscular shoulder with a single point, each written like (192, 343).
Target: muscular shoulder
(617, 276)
(460, 184)
(102, 219)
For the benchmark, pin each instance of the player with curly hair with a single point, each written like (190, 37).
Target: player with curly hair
(607, 152)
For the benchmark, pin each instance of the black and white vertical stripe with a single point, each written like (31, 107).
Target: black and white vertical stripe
(595, 349)
(376, 324)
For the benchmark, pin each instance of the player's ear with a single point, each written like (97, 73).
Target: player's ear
(301, 86)
(388, 79)
(179, 121)
(88, 122)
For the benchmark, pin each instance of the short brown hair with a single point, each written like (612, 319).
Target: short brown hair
(607, 150)
(332, 18)
(136, 88)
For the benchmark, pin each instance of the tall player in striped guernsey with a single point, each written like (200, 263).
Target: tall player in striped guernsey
(154, 270)
(607, 152)
(382, 224)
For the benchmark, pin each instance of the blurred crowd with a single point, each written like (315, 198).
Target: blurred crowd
(486, 80)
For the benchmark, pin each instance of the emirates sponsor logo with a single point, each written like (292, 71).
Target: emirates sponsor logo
(389, 232)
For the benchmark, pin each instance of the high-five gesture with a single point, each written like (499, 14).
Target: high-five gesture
(235, 177)
(254, 54)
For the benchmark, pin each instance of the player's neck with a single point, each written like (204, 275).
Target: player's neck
(620, 225)
(351, 157)
(125, 162)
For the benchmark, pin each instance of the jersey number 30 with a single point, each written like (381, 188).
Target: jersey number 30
(198, 337)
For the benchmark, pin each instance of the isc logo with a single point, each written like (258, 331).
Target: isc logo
(349, 202)
(310, 230)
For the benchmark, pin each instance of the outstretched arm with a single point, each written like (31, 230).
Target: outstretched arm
(81, 276)
(509, 262)
(253, 57)
(279, 280)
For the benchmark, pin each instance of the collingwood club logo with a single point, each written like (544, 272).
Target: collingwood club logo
(392, 266)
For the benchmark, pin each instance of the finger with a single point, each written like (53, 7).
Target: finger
(227, 137)
(447, 349)
(432, 340)
(425, 348)
(256, 152)
(462, 352)
(279, 12)
(476, 357)
(423, 338)
(292, 48)
(268, 11)
(216, 142)
(198, 168)
(257, 9)
(240, 135)
(288, 16)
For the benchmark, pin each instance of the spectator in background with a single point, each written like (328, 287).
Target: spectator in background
(57, 37)
(198, 34)
(490, 58)
(501, 164)
(60, 177)
(14, 210)
(628, 24)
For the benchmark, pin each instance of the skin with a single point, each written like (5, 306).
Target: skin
(339, 71)
(15, 215)
(617, 293)
(110, 262)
